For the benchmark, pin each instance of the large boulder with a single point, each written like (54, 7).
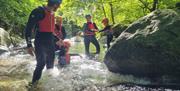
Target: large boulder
(149, 47)
(118, 29)
(4, 37)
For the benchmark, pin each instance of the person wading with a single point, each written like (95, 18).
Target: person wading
(60, 32)
(108, 31)
(42, 20)
(89, 30)
(60, 44)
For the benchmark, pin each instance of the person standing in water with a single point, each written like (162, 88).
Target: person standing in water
(60, 32)
(89, 30)
(42, 20)
(108, 31)
(60, 45)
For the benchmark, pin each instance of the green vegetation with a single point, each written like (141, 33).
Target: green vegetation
(118, 11)
(14, 13)
(14, 16)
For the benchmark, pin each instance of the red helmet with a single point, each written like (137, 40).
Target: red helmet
(105, 20)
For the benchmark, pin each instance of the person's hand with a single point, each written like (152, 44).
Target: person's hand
(59, 43)
(30, 50)
(95, 30)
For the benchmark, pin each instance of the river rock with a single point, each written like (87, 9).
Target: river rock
(3, 49)
(19, 85)
(118, 29)
(4, 37)
(149, 47)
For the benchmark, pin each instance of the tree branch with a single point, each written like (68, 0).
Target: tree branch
(145, 5)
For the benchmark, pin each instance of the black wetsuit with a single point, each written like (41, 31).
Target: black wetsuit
(109, 35)
(90, 38)
(44, 43)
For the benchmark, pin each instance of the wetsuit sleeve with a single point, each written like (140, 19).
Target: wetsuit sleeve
(101, 30)
(106, 28)
(35, 16)
(63, 32)
(95, 26)
(84, 27)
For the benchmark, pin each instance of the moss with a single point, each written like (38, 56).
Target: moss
(149, 47)
(13, 85)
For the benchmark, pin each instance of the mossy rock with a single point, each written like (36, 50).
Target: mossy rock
(4, 37)
(149, 47)
(118, 29)
(16, 85)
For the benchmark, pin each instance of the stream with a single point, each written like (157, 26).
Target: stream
(82, 74)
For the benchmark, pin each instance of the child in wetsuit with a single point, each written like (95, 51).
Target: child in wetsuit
(63, 54)
(108, 31)
(60, 35)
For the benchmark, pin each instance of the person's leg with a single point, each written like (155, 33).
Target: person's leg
(86, 43)
(50, 54)
(109, 39)
(40, 58)
(62, 51)
(56, 47)
(61, 56)
(96, 43)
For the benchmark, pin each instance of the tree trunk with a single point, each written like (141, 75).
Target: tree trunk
(103, 10)
(155, 4)
(145, 5)
(112, 15)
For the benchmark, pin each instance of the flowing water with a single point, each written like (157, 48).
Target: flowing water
(16, 68)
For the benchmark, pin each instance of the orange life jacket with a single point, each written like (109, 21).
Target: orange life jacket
(90, 26)
(47, 24)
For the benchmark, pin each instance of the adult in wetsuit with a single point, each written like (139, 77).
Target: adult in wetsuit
(89, 30)
(42, 20)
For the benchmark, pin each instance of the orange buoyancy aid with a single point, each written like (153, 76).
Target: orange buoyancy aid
(90, 26)
(47, 24)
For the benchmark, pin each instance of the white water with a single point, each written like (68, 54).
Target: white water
(80, 75)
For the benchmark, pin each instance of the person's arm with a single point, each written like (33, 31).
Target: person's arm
(96, 28)
(102, 30)
(35, 16)
(84, 27)
(107, 28)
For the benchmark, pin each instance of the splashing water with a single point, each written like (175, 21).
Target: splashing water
(80, 75)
